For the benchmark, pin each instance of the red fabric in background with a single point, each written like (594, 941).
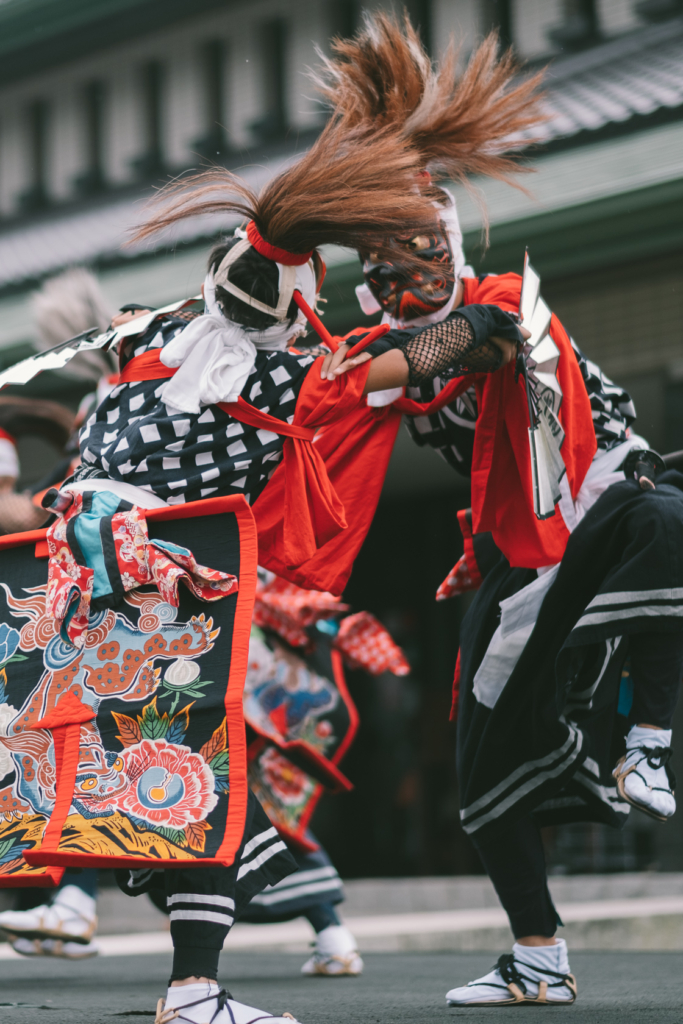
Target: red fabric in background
(455, 698)
(354, 444)
(366, 644)
(288, 610)
(502, 501)
(465, 573)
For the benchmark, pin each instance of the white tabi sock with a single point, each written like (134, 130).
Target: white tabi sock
(648, 785)
(182, 995)
(532, 965)
(204, 995)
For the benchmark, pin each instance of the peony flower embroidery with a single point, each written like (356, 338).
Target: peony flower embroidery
(169, 784)
(286, 781)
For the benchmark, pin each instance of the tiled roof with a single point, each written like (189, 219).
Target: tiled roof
(619, 84)
(99, 233)
(630, 78)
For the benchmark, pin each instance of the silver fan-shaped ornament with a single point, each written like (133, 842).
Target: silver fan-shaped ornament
(58, 356)
(538, 362)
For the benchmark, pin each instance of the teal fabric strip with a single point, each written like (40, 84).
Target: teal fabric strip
(87, 530)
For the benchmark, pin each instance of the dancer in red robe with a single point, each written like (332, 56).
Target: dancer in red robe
(572, 651)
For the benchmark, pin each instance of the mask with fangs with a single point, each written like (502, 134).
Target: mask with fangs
(406, 292)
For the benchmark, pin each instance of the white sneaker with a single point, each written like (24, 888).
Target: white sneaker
(206, 1003)
(335, 954)
(70, 917)
(530, 974)
(56, 947)
(644, 776)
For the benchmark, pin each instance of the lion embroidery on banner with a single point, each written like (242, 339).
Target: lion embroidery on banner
(119, 660)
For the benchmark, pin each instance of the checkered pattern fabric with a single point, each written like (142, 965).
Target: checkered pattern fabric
(135, 438)
(613, 408)
(288, 610)
(366, 644)
(451, 431)
(458, 581)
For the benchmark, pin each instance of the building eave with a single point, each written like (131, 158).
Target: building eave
(36, 35)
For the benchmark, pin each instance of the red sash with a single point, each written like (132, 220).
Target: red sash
(314, 513)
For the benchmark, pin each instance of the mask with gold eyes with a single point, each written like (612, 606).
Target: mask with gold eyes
(406, 292)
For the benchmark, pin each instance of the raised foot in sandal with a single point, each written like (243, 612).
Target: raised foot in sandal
(645, 778)
(70, 917)
(56, 947)
(335, 955)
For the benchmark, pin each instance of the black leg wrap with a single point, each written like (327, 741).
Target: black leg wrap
(195, 962)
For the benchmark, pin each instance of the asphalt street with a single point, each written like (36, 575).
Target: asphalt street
(613, 987)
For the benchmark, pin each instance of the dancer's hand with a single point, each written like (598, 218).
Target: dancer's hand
(335, 363)
(332, 364)
(131, 314)
(507, 348)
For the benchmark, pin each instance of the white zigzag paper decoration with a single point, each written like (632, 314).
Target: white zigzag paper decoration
(544, 394)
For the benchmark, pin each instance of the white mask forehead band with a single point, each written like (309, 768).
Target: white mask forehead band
(287, 283)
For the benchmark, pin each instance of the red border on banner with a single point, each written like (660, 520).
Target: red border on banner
(239, 789)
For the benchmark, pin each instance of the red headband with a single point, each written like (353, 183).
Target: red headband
(271, 252)
(8, 437)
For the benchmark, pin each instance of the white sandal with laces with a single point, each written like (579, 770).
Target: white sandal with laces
(225, 1009)
(335, 954)
(523, 976)
(71, 917)
(645, 778)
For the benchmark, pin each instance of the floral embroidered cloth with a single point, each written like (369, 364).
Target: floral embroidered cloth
(128, 750)
(99, 549)
(296, 700)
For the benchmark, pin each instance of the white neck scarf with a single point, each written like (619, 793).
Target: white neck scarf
(215, 356)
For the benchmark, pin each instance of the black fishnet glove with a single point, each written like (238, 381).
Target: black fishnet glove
(448, 349)
(455, 346)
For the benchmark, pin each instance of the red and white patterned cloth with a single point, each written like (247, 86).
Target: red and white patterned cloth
(287, 609)
(362, 639)
(458, 581)
(465, 574)
(366, 644)
(139, 561)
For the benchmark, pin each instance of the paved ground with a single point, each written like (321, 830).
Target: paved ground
(397, 988)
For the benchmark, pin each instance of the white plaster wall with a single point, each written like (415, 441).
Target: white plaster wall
(181, 112)
(126, 123)
(617, 16)
(66, 153)
(458, 19)
(179, 48)
(308, 28)
(531, 21)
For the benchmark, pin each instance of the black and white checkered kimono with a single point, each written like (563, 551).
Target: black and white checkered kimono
(133, 437)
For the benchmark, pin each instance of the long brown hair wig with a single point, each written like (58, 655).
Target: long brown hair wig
(355, 187)
(461, 124)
